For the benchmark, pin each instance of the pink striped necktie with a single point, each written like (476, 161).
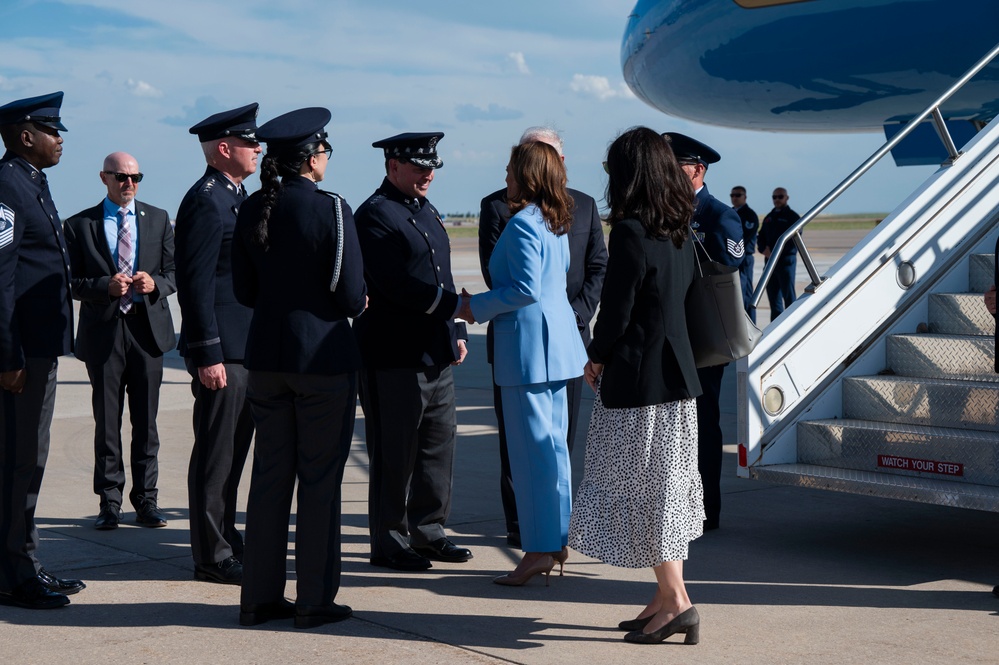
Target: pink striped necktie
(125, 257)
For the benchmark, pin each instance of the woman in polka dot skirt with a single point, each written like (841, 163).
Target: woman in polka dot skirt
(640, 502)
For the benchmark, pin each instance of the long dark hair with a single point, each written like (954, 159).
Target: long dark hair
(646, 183)
(278, 163)
(539, 174)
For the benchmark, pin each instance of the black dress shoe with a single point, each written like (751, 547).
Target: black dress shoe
(710, 524)
(254, 615)
(227, 571)
(402, 560)
(108, 518)
(149, 514)
(688, 623)
(56, 585)
(443, 549)
(310, 616)
(33, 595)
(995, 591)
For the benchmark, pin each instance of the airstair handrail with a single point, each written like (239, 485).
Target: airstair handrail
(794, 233)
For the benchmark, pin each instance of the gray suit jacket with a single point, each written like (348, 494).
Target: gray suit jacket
(91, 269)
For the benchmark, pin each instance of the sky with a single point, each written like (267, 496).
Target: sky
(138, 74)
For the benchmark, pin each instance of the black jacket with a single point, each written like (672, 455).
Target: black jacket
(36, 312)
(214, 325)
(93, 266)
(641, 331)
(409, 323)
(300, 325)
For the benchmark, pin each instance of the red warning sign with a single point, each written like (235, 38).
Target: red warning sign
(922, 465)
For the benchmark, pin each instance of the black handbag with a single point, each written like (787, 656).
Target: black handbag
(720, 330)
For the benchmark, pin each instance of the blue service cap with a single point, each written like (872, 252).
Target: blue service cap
(687, 149)
(295, 128)
(419, 148)
(42, 110)
(241, 122)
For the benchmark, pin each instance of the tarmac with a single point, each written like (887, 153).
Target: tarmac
(792, 576)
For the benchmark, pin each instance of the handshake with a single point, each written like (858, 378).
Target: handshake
(465, 307)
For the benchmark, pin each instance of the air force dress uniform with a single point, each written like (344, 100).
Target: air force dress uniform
(302, 360)
(36, 322)
(408, 339)
(213, 330)
(719, 229)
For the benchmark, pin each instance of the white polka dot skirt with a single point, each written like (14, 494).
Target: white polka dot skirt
(641, 499)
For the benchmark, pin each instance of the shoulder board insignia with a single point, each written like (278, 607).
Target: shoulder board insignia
(332, 195)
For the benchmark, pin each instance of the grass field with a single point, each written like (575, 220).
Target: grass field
(864, 220)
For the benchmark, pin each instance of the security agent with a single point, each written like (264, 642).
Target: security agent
(719, 229)
(121, 257)
(780, 288)
(302, 361)
(36, 323)
(750, 228)
(407, 388)
(213, 340)
(587, 265)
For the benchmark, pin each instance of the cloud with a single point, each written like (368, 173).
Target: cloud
(142, 89)
(516, 58)
(471, 113)
(191, 115)
(598, 87)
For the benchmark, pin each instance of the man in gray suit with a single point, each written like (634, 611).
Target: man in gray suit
(122, 270)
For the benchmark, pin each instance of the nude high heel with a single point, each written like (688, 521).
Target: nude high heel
(560, 558)
(542, 565)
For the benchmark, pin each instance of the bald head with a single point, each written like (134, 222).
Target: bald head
(117, 163)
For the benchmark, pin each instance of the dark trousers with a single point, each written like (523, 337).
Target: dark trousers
(133, 370)
(410, 429)
(709, 439)
(574, 394)
(746, 277)
(780, 288)
(223, 430)
(25, 421)
(304, 427)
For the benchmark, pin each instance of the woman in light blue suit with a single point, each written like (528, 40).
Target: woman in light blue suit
(537, 349)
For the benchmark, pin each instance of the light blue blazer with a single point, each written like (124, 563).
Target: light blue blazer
(536, 339)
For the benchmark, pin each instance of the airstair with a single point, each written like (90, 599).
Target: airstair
(881, 380)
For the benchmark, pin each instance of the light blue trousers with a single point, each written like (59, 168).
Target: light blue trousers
(537, 423)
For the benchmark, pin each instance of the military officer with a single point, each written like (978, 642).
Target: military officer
(409, 341)
(213, 339)
(750, 227)
(36, 322)
(719, 230)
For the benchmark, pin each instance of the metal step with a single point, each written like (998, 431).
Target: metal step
(888, 486)
(968, 357)
(981, 272)
(956, 455)
(919, 401)
(960, 314)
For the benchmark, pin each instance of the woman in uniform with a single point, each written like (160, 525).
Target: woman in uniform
(297, 263)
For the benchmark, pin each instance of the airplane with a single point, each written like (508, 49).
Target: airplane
(816, 65)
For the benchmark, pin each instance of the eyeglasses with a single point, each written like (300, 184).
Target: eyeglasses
(736, 195)
(122, 177)
(778, 197)
(327, 150)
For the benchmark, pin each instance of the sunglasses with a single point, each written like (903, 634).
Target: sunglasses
(736, 195)
(122, 177)
(777, 198)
